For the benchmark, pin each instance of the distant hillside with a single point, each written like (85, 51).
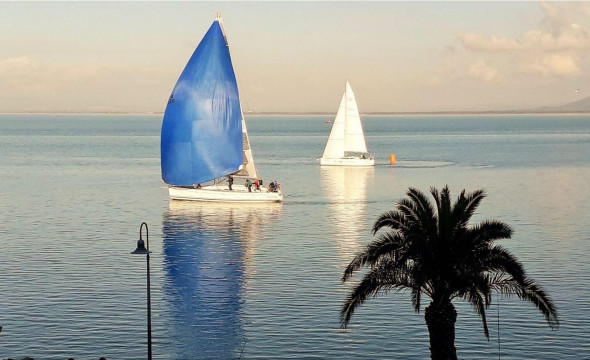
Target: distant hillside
(582, 105)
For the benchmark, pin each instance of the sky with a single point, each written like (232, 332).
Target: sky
(296, 56)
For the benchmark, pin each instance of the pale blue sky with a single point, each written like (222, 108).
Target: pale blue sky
(296, 56)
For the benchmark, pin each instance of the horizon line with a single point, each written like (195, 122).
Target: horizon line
(319, 113)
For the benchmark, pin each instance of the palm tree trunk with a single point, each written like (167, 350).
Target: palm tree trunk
(440, 319)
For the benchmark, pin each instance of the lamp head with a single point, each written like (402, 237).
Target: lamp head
(141, 250)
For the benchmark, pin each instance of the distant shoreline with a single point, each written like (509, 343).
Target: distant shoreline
(312, 113)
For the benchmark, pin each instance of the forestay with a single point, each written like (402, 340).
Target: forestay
(335, 145)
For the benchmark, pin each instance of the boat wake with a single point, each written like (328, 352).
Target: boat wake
(420, 164)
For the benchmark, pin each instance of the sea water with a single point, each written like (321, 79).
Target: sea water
(262, 282)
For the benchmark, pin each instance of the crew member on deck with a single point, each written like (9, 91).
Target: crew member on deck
(256, 185)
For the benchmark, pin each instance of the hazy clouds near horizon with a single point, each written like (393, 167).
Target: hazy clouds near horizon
(296, 56)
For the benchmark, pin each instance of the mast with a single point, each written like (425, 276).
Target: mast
(247, 169)
(220, 21)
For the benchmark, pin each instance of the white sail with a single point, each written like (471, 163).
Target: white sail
(335, 146)
(248, 169)
(354, 138)
(346, 144)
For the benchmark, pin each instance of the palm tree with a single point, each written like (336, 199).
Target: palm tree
(432, 250)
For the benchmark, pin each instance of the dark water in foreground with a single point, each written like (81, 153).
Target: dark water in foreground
(262, 282)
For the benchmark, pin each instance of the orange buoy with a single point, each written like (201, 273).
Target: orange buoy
(391, 159)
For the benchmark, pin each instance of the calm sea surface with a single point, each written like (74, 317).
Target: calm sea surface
(262, 282)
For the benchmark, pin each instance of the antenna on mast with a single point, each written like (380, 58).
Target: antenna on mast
(220, 21)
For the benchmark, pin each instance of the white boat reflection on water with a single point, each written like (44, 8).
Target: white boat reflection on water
(346, 190)
(208, 254)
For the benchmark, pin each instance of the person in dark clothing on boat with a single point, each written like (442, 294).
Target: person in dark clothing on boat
(230, 181)
(271, 186)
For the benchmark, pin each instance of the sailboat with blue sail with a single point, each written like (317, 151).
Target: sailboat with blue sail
(205, 150)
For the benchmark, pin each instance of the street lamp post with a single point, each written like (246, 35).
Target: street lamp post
(141, 249)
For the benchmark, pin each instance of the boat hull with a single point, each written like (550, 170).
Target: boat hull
(219, 193)
(347, 161)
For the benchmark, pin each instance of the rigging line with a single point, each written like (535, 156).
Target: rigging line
(244, 101)
(243, 347)
(498, 299)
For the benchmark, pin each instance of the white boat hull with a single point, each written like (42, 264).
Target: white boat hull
(221, 193)
(347, 161)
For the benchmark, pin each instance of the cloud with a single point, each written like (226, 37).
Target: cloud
(483, 72)
(558, 48)
(477, 42)
(19, 74)
(48, 85)
(571, 37)
(556, 64)
(29, 75)
(26, 75)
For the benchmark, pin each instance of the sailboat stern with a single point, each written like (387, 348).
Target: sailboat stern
(348, 161)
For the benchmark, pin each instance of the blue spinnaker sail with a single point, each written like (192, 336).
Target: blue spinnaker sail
(201, 137)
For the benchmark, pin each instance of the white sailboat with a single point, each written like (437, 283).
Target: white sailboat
(346, 145)
(205, 151)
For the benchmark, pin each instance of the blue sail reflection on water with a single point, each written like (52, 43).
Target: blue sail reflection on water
(201, 136)
(208, 250)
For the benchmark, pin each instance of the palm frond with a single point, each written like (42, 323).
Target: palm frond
(528, 290)
(392, 219)
(479, 304)
(488, 231)
(416, 298)
(444, 215)
(425, 210)
(408, 208)
(465, 207)
(500, 261)
(476, 289)
(386, 245)
(436, 195)
(382, 278)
